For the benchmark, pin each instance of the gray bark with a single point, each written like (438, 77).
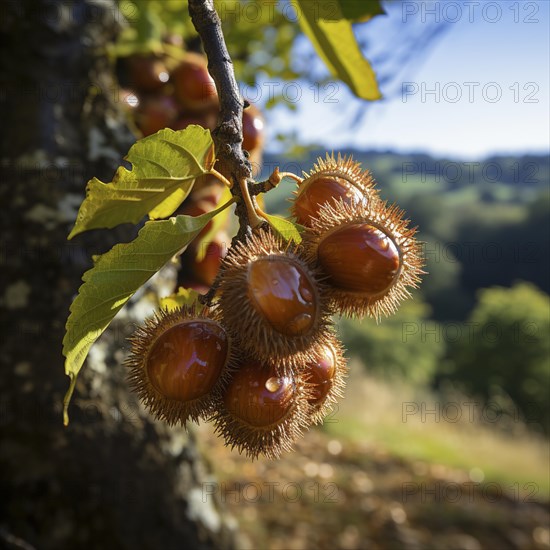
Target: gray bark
(113, 478)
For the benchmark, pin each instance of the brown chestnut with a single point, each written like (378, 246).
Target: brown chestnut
(258, 396)
(359, 258)
(282, 293)
(312, 195)
(271, 298)
(179, 363)
(332, 180)
(155, 112)
(186, 361)
(321, 372)
(253, 128)
(194, 88)
(146, 73)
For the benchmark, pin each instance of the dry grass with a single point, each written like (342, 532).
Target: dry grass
(366, 479)
(490, 445)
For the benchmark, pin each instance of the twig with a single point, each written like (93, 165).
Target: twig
(221, 177)
(272, 182)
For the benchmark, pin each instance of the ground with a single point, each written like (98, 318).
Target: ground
(345, 489)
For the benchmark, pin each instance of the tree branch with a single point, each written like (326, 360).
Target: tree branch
(228, 135)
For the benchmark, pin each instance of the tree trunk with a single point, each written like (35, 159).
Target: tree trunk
(113, 478)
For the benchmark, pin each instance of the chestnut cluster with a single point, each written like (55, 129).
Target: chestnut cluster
(162, 92)
(264, 362)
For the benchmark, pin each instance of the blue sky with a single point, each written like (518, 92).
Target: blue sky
(488, 74)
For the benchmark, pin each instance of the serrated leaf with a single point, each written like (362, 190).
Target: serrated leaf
(164, 168)
(114, 279)
(288, 230)
(336, 45)
(182, 298)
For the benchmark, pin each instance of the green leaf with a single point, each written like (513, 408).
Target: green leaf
(113, 280)
(164, 168)
(288, 230)
(183, 297)
(361, 11)
(352, 10)
(336, 45)
(149, 24)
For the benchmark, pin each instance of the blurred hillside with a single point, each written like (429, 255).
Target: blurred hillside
(479, 322)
